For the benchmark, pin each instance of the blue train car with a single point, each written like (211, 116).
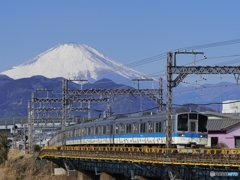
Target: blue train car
(188, 130)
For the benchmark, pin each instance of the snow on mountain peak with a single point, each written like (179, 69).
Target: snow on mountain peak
(72, 61)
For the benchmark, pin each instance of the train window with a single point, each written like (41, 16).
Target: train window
(202, 123)
(92, 130)
(100, 130)
(135, 127)
(182, 124)
(104, 130)
(96, 130)
(111, 129)
(142, 128)
(150, 126)
(72, 133)
(193, 116)
(121, 128)
(158, 127)
(88, 131)
(117, 129)
(128, 128)
(84, 131)
(108, 130)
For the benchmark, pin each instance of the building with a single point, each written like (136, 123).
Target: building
(231, 106)
(223, 130)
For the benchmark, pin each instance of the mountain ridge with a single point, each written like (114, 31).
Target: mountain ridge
(15, 94)
(73, 61)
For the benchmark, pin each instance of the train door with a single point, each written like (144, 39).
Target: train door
(192, 126)
(116, 134)
(109, 133)
(80, 135)
(129, 138)
(96, 133)
(135, 132)
(192, 132)
(150, 129)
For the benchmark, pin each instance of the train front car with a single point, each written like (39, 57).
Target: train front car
(190, 130)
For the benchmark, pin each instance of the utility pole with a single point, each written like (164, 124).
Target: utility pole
(169, 101)
(64, 105)
(161, 94)
(31, 124)
(64, 110)
(171, 64)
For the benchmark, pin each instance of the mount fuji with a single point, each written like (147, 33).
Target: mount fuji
(73, 61)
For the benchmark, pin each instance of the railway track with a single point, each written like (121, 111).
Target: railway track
(172, 156)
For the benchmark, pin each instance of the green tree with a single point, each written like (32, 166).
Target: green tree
(36, 148)
(4, 148)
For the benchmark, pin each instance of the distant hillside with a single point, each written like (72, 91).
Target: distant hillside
(15, 94)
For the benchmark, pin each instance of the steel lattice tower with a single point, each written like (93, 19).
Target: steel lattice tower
(182, 72)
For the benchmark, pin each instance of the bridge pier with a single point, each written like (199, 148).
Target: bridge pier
(91, 175)
(108, 176)
(140, 178)
(87, 175)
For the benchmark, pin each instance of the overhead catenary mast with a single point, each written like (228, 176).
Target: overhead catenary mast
(182, 72)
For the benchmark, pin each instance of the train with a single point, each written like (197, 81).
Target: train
(189, 129)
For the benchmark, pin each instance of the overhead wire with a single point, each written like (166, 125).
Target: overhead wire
(184, 105)
(200, 47)
(163, 56)
(147, 60)
(210, 45)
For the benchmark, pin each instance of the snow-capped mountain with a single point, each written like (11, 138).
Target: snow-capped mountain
(73, 61)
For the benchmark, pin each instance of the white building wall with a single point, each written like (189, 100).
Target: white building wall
(231, 106)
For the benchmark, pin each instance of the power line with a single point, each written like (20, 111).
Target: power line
(210, 45)
(163, 56)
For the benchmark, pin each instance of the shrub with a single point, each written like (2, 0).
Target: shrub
(36, 148)
(4, 148)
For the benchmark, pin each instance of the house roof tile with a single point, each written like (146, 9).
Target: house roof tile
(221, 124)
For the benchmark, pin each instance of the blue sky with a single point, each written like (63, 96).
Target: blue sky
(126, 31)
